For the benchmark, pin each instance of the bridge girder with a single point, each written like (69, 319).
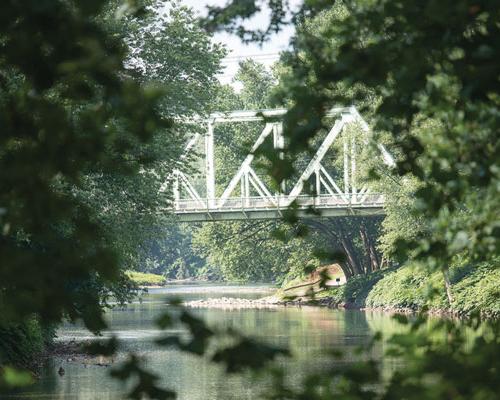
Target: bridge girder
(347, 201)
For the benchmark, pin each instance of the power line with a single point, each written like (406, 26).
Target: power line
(274, 53)
(268, 56)
(252, 58)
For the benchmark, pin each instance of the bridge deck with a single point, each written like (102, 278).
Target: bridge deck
(252, 208)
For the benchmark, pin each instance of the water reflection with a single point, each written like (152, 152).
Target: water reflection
(307, 331)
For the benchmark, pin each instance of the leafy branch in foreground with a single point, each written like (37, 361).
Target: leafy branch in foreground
(437, 101)
(82, 136)
(67, 105)
(243, 353)
(146, 385)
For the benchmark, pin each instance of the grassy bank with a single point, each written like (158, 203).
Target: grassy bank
(145, 279)
(474, 289)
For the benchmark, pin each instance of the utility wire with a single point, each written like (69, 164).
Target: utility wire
(274, 53)
(232, 59)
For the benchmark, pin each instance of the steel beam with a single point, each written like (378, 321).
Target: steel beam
(246, 163)
(311, 167)
(210, 164)
(249, 214)
(351, 200)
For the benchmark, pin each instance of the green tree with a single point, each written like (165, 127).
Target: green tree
(70, 110)
(432, 71)
(67, 104)
(169, 49)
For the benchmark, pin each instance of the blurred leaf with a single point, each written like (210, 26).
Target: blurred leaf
(103, 348)
(247, 353)
(12, 377)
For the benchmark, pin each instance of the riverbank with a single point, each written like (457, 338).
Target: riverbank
(475, 290)
(146, 280)
(77, 351)
(143, 279)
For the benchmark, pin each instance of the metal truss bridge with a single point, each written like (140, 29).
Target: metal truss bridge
(253, 199)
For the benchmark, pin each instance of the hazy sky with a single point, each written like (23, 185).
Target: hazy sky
(266, 54)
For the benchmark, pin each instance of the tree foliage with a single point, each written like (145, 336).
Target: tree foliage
(430, 70)
(67, 106)
(422, 62)
(169, 49)
(87, 141)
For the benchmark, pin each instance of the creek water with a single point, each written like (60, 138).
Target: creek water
(309, 332)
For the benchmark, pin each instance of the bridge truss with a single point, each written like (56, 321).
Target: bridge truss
(236, 202)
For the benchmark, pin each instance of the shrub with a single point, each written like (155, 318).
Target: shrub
(146, 279)
(474, 289)
(478, 291)
(406, 287)
(21, 344)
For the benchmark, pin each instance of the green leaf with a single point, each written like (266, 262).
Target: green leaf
(13, 377)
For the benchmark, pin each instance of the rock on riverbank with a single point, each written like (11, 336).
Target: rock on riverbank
(266, 302)
(235, 303)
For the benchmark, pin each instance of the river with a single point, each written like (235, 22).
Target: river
(307, 331)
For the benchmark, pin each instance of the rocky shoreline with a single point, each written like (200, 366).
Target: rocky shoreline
(266, 302)
(74, 351)
(230, 303)
(235, 303)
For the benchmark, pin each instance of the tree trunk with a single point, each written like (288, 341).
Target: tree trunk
(346, 270)
(351, 256)
(366, 245)
(374, 257)
(371, 252)
(348, 266)
(447, 285)
(353, 265)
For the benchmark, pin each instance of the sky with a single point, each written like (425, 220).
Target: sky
(267, 54)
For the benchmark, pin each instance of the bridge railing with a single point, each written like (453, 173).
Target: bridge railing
(278, 202)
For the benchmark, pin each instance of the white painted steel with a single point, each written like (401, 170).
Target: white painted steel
(210, 163)
(243, 168)
(267, 205)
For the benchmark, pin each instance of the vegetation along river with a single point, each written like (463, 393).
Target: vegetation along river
(307, 331)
